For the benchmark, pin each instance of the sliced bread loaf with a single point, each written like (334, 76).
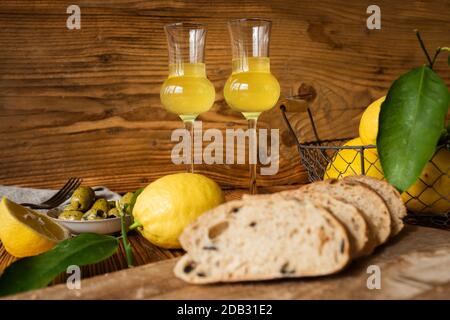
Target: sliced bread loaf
(368, 202)
(391, 196)
(263, 239)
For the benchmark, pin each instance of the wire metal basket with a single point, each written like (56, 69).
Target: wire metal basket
(325, 159)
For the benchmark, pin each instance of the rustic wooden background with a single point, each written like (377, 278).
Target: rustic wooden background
(86, 102)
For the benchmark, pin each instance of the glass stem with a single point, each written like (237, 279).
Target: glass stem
(189, 126)
(253, 154)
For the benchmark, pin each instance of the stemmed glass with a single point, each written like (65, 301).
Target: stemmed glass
(251, 88)
(187, 91)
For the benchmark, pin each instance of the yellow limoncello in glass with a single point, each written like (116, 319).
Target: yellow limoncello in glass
(251, 88)
(187, 91)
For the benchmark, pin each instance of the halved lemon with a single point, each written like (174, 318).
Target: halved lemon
(25, 232)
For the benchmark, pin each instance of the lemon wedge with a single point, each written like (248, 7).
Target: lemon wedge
(25, 232)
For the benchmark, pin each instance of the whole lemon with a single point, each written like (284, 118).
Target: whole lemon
(368, 126)
(26, 233)
(431, 192)
(169, 204)
(347, 162)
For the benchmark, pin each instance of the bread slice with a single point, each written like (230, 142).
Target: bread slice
(391, 196)
(368, 202)
(195, 233)
(347, 215)
(263, 239)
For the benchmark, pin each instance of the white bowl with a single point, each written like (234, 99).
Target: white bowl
(105, 226)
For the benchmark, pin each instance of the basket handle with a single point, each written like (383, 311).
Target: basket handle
(299, 103)
(288, 124)
(296, 104)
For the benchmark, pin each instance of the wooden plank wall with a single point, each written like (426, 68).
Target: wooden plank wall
(86, 102)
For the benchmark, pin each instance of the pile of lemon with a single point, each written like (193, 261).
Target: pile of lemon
(347, 162)
(428, 194)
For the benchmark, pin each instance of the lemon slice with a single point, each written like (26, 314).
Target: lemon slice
(25, 232)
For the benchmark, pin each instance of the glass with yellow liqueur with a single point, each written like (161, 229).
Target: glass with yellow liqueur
(251, 88)
(187, 91)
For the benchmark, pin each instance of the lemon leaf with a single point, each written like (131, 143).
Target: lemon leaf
(38, 271)
(134, 198)
(411, 121)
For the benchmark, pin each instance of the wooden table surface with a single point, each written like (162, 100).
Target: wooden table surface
(415, 265)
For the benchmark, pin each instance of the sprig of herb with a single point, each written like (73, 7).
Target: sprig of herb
(124, 236)
(430, 60)
(136, 224)
(123, 210)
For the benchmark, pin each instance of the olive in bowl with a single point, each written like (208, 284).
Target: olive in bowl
(87, 214)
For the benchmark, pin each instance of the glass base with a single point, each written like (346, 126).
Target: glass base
(251, 115)
(188, 117)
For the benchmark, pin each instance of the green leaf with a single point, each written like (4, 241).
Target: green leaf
(38, 271)
(410, 123)
(134, 198)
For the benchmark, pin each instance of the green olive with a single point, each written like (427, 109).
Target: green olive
(126, 199)
(101, 205)
(111, 204)
(99, 209)
(113, 213)
(69, 207)
(82, 198)
(71, 215)
(92, 214)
